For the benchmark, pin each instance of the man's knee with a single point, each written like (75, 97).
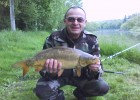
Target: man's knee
(103, 88)
(96, 88)
(48, 90)
(57, 95)
(43, 90)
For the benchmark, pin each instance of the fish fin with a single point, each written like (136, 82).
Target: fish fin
(82, 62)
(60, 72)
(39, 63)
(25, 70)
(23, 65)
(97, 60)
(38, 68)
(78, 72)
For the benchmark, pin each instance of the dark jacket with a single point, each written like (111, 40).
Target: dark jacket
(87, 42)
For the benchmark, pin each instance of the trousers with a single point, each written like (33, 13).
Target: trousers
(49, 89)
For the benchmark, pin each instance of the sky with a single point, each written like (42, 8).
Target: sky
(98, 10)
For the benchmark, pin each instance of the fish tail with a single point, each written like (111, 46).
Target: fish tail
(23, 65)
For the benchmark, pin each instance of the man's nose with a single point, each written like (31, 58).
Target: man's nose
(75, 21)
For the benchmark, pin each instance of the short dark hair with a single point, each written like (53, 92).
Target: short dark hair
(74, 7)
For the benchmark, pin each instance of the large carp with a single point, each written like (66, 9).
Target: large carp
(69, 57)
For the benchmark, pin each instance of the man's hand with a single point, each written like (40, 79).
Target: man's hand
(95, 67)
(53, 66)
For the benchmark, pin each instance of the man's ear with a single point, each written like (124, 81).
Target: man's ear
(64, 20)
(85, 22)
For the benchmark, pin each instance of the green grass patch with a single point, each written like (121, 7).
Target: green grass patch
(114, 43)
(16, 46)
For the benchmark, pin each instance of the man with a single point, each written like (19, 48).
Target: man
(73, 35)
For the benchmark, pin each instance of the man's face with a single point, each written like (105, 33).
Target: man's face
(75, 21)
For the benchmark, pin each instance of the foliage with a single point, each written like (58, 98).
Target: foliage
(4, 14)
(25, 14)
(111, 24)
(93, 26)
(16, 46)
(103, 25)
(37, 14)
(70, 3)
(132, 22)
(114, 43)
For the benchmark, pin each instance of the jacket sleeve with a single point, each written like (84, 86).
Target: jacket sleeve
(48, 44)
(94, 49)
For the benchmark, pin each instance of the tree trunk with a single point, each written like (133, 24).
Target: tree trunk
(12, 16)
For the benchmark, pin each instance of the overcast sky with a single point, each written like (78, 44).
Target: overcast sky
(98, 10)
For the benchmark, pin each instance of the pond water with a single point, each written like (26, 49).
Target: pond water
(119, 32)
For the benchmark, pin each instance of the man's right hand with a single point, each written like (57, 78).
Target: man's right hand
(53, 66)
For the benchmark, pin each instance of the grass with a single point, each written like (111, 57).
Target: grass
(16, 46)
(113, 43)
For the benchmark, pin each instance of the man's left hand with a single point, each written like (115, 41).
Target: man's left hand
(95, 67)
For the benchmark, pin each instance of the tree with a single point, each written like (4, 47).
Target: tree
(35, 14)
(132, 22)
(12, 15)
(4, 14)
